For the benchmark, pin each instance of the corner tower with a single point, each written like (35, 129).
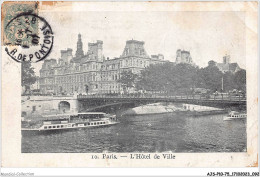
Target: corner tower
(95, 51)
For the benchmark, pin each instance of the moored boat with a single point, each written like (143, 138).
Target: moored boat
(54, 123)
(233, 115)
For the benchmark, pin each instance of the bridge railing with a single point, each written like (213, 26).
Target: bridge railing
(175, 97)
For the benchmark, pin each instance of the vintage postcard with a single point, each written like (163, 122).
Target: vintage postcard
(129, 84)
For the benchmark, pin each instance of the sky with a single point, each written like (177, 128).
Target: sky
(207, 35)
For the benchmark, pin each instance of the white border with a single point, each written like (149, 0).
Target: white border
(130, 171)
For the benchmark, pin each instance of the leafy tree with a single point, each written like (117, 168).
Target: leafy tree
(152, 78)
(168, 77)
(228, 81)
(187, 75)
(156, 78)
(240, 79)
(127, 79)
(211, 63)
(28, 75)
(211, 77)
(183, 78)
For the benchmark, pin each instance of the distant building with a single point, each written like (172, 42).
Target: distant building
(183, 56)
(226, 66)
(91, 73)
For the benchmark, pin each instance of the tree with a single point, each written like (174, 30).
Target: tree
(156, 78)
(168, 77)
(240, 79)
(183, 78)
(127, 79)
(186, 75)
(28, 75)
(211, 78)
(228, 81)
(152, 78)
(211, 63)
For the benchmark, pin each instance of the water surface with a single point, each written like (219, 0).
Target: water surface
(147, 133)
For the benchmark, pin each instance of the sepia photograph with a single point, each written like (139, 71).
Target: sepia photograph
(103, 80)
(137, 92)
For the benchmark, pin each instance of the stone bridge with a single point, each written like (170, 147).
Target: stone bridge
(99, 102)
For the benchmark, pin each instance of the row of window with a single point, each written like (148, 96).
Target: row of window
(72, 88)
(137, 51)
(134, 62)
(47, 73)
(76, 78)
(127, 62)
(58, 126)
(46, 81)
(237, 116)
(108, 86)
(81, 78)
(73, 125)
(78, 68)
(109, 77)
(111, 66)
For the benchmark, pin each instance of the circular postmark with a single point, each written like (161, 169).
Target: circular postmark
(28, 37)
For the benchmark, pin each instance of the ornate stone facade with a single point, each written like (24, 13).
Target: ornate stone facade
(91, 73)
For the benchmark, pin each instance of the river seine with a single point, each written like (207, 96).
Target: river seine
(147, 133)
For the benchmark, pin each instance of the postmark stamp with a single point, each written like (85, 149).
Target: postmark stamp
(26, 36)
(26, 43)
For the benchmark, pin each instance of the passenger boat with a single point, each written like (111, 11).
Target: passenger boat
(62, 122)
(233, 115)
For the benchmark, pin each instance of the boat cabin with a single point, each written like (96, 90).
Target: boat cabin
(91, 115)
(85, 117)
(235, 114)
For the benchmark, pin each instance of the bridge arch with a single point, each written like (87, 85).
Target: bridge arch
(64, 106)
